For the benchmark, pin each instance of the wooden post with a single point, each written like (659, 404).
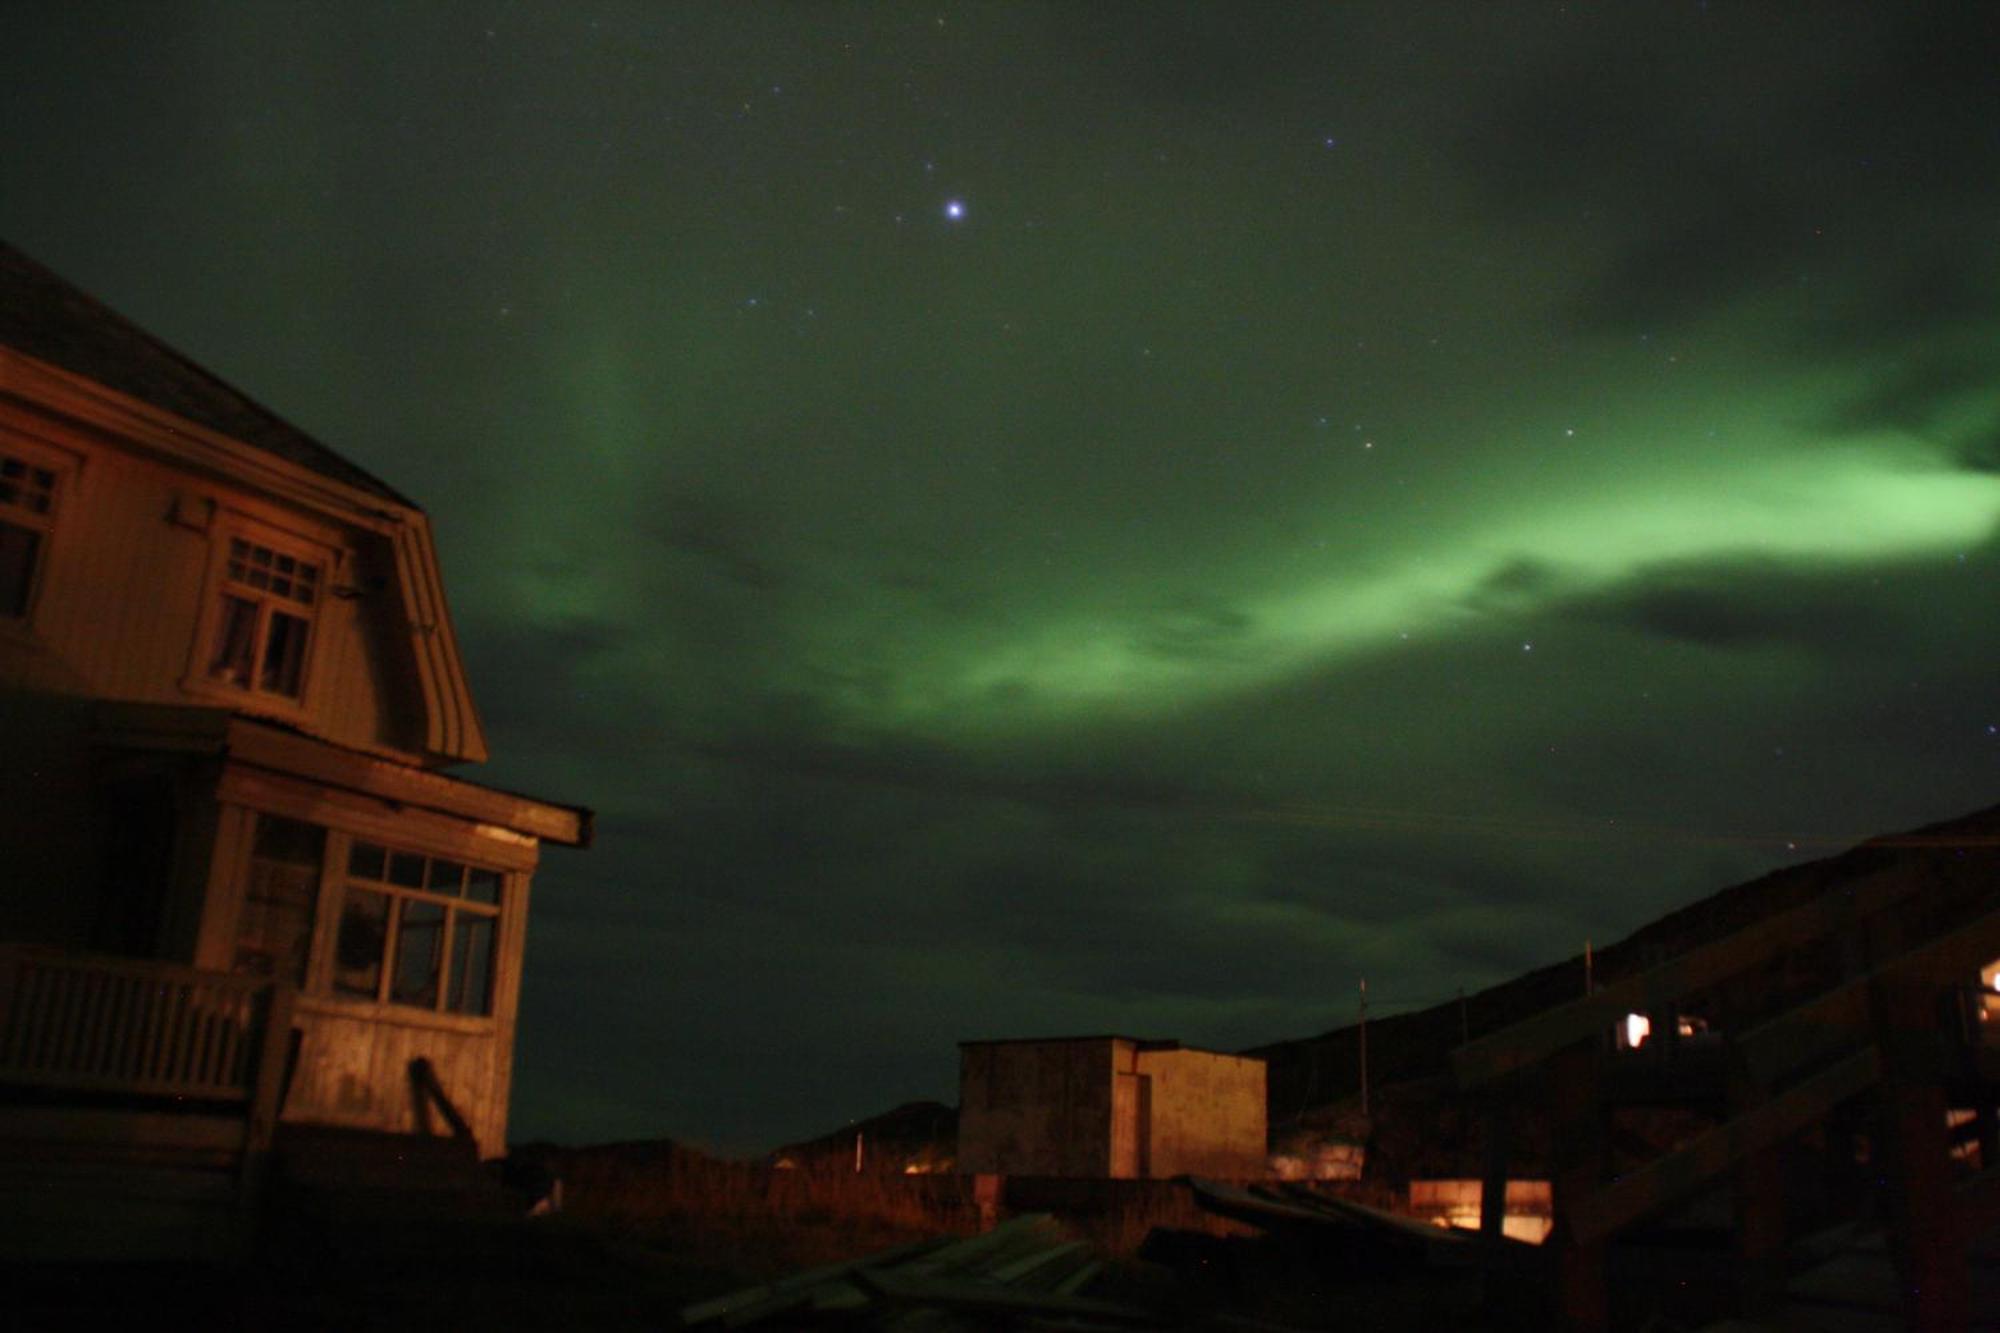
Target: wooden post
(1576, 1151)
(1497, 1133)
(1759, 1190)
(1364, 1048)
(10, 974)
(1988, 1127)
(1922, 1212)
(267, 1092)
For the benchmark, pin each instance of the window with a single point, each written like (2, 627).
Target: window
(417, 930)
(27, 512)
(274, 933)
(262, 626)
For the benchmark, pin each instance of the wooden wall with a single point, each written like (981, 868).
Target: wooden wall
(354, 1069)
(132, 565)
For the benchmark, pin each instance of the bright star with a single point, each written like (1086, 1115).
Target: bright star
(954, 209)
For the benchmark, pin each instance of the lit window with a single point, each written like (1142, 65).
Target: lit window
(417, 930)
(27, 511)
(262, 627)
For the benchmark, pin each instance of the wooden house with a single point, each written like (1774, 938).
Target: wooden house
(239, 872)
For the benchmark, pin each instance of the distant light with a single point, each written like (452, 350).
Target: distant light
(954, 209)
(1638, 1027)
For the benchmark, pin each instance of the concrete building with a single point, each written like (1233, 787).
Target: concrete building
(1109, 1106)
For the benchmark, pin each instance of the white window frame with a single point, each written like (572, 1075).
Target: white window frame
(220, 585)
(44, 524)
(400, 896)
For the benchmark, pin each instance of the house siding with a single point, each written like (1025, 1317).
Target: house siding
(122, 608)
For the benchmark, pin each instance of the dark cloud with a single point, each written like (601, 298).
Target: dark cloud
(1194, 631)
(1911, 398)
(1897, 304)
(1515, 583)
(1743, 606)
(1713, 179)
(725, 538)
(938, 769)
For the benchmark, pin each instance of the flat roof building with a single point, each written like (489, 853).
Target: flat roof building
(1109, 1107)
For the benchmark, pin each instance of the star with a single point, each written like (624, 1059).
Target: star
(954, 210)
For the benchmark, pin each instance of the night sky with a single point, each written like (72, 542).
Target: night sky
(1031, 519)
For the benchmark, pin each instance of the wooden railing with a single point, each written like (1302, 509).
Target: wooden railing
(95, 1024)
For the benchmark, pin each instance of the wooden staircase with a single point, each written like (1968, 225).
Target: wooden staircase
(1862, 1007)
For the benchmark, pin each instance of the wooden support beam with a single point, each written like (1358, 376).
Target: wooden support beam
(1656, 989)
(1758, 1204)
(1923, 1213)
(1497, 1134)
(1577, 1165)
(1840, 1017)
(1670, 1178)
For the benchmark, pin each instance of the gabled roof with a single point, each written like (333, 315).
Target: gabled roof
(47, 318)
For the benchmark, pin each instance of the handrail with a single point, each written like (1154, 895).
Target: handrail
(1536, 1038)
(92, 1023)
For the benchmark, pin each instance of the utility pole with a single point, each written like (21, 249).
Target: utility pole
(1464, 1022)
(1588, 965)
(1364, 1047)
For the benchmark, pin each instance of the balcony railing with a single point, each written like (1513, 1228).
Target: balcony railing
(92, 1024)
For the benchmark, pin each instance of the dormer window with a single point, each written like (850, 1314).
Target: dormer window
(27, 512)
(264, 622)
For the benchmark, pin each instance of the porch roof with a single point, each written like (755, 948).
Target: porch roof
(261, 744)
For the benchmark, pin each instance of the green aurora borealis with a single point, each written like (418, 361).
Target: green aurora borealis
(1358, 491)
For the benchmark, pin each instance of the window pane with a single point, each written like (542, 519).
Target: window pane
(483, 886)
(419, 946)
(235, 642)
(406, 869)
(274, 933)
(29, 488)
(472, 964)
(365, 859)
(284, 655)
(364, 934)
(446, 877)
(17, 568)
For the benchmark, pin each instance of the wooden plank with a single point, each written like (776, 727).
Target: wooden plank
(1535, 1039)
(1669, 1178)
(267, 747)
(793, 1289)
(85, 1127)
(1836, 1019)
(917, 1289)
(270, 1077)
